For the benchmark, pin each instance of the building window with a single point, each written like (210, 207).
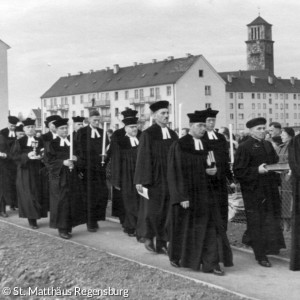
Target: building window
(240, 95)
(66, 100)
(126, 95)
(151, 92)
(253, 105)
(298, 116)
(281, 96)
(74, 113)
(270, 110)
(141, 93)
(270, 101)
(264, 95)
(259, 115)
(295, 115)
(231, 95)
(82, 113)
(286, 106)
(231, 117)
(253, 95)
(207, 105)
(200, 73)
(116, 96)
(264, 106)
(241, 106)
(286, 96)
(281, 105)
(258, 106)
(169, 91)
(298, 106)
(276, 96)
(207, 90)
(295, 96)
(231, 105)
(241, 116)
(106, 96)
(286, 115)
(258, 96)
(298, 96)
(157, 92)
(276, 106)
(73, 99)
(81, 99)
(116, 112)
(45, 102)
(295, 106)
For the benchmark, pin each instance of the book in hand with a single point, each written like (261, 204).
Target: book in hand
(278, 167)
(144, 193)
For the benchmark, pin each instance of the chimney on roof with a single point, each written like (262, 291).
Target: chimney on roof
(69, 74)
(188, 54)
(107, 68)
(270, 79)
(170, 57)
(154, 61)
(229, 78)
(135, 64)
(80, 73)
(116, 69)
(91, 70)
(240, 73)
(252, 79)
(292, 81)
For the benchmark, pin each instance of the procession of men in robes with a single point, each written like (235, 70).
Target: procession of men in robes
(170, 193)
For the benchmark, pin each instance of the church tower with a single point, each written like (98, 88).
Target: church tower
(260, 53)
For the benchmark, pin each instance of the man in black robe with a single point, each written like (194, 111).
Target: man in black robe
(195, 222)
(10, 172)
(294, 162)
(217, 143)
(26, 153)
(77, 124)
(123, 161)
(260, 192)
(151, 172)
(90, 145)
(67, 209)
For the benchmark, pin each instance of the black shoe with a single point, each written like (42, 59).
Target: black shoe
(141, 239)
(65, 235)
(12, 208)
(218, 271)
(149, 245)
(33, 224)
(162, 250)
(175, 263)
(92, 229)
(3, 214)
(264, 263)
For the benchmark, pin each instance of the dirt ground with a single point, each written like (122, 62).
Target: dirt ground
(46, 266)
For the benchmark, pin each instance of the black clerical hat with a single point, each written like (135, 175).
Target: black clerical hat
(159, 105)
(53, 118)
(130, 121)
(210, 113)
(19, 128)
(78, 119)
(29, 122)
(13, 120)
(197, 117)
(94, 113)
(255, 122)
(129, 113)
(61, 122)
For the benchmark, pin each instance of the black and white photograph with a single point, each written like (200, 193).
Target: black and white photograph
(150, 149)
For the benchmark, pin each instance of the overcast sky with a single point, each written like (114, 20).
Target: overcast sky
(49, 39)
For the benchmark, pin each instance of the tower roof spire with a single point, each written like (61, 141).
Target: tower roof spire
(259, 21)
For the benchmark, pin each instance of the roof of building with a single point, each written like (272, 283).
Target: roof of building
(247, 73)
(259, 21)
(141, 75)
(37, 112)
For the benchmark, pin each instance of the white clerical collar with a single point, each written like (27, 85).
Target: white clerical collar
(11, 134)
(30, 139)
(63, 142)
(133, 140)
(94, 133)
(54, 135)
(198, 144)
(212, 135)
(165, 133)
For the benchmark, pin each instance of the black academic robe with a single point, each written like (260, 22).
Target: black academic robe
(67, 208)
(89, 162)
(195, 232)
(151, 172)
(10, 170)
(261, 196)
(123, 161)
(294, 162)
(219, 181)
(30, 200)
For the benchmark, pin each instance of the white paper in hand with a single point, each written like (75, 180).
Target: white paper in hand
(144, 193)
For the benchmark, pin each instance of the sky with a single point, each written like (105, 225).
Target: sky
(52, 38)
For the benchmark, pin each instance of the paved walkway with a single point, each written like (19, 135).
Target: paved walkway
(246, 277)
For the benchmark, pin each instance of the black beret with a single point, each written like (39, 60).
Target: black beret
(53, 118)
(129, 113)
(78, 119)
(130, 121)
(255, 122)
(197, 117)
(13, 120)
(94, 113)
(61, 122)
(29, 122)
(209, 112)
(19, 128)
(159, 105)
(289, 130)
